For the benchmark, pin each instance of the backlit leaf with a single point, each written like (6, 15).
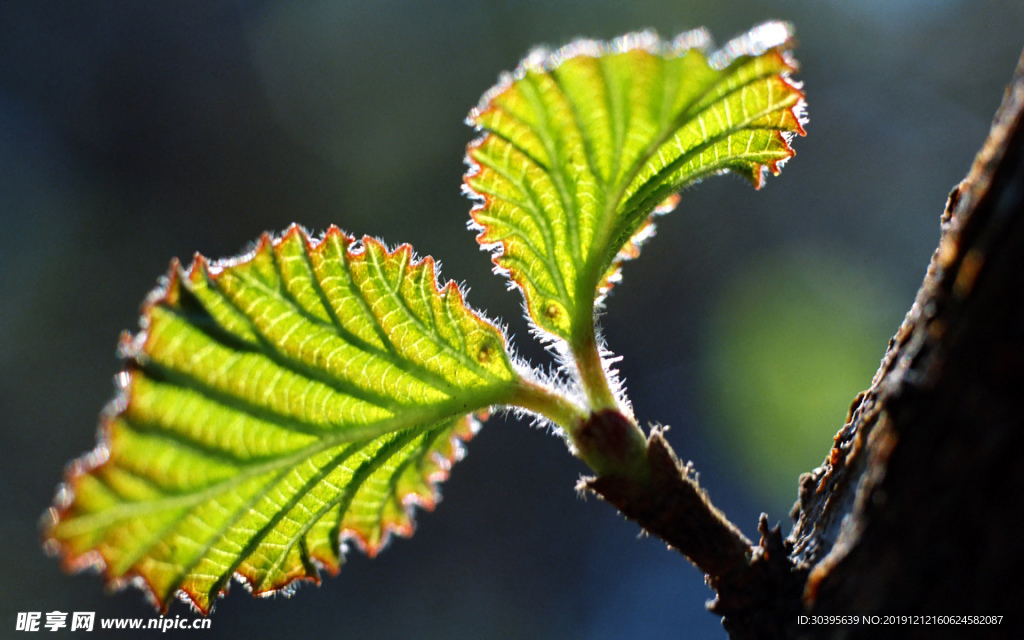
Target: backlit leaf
(582, 146)
(273, 407)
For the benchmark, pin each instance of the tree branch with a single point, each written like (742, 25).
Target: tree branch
(758, 588)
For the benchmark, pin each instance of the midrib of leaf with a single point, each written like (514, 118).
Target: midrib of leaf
(155, 431)
(598, 262)
(617, 108)
(173, 377)
(570, 205)
(618, 120)
(556, 170)
(91, 522)
(143, 549)
(363, 471)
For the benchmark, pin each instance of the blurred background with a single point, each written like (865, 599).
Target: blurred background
(131, 132)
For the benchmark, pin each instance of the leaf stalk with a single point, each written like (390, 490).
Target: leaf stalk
(593, 376)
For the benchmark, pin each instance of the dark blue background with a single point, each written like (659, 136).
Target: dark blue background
(131, 132)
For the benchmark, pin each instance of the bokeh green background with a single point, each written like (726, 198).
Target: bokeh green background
(131, 132)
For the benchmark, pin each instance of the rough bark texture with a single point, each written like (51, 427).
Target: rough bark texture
(918, 508)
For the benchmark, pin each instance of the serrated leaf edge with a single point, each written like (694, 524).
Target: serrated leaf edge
(769, 35)
(131, 348)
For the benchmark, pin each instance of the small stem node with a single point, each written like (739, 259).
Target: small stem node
(613, 445)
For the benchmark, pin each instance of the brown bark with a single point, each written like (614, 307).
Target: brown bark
(918, 509)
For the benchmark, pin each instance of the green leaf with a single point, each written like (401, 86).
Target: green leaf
(274, 406)
(582, 146)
